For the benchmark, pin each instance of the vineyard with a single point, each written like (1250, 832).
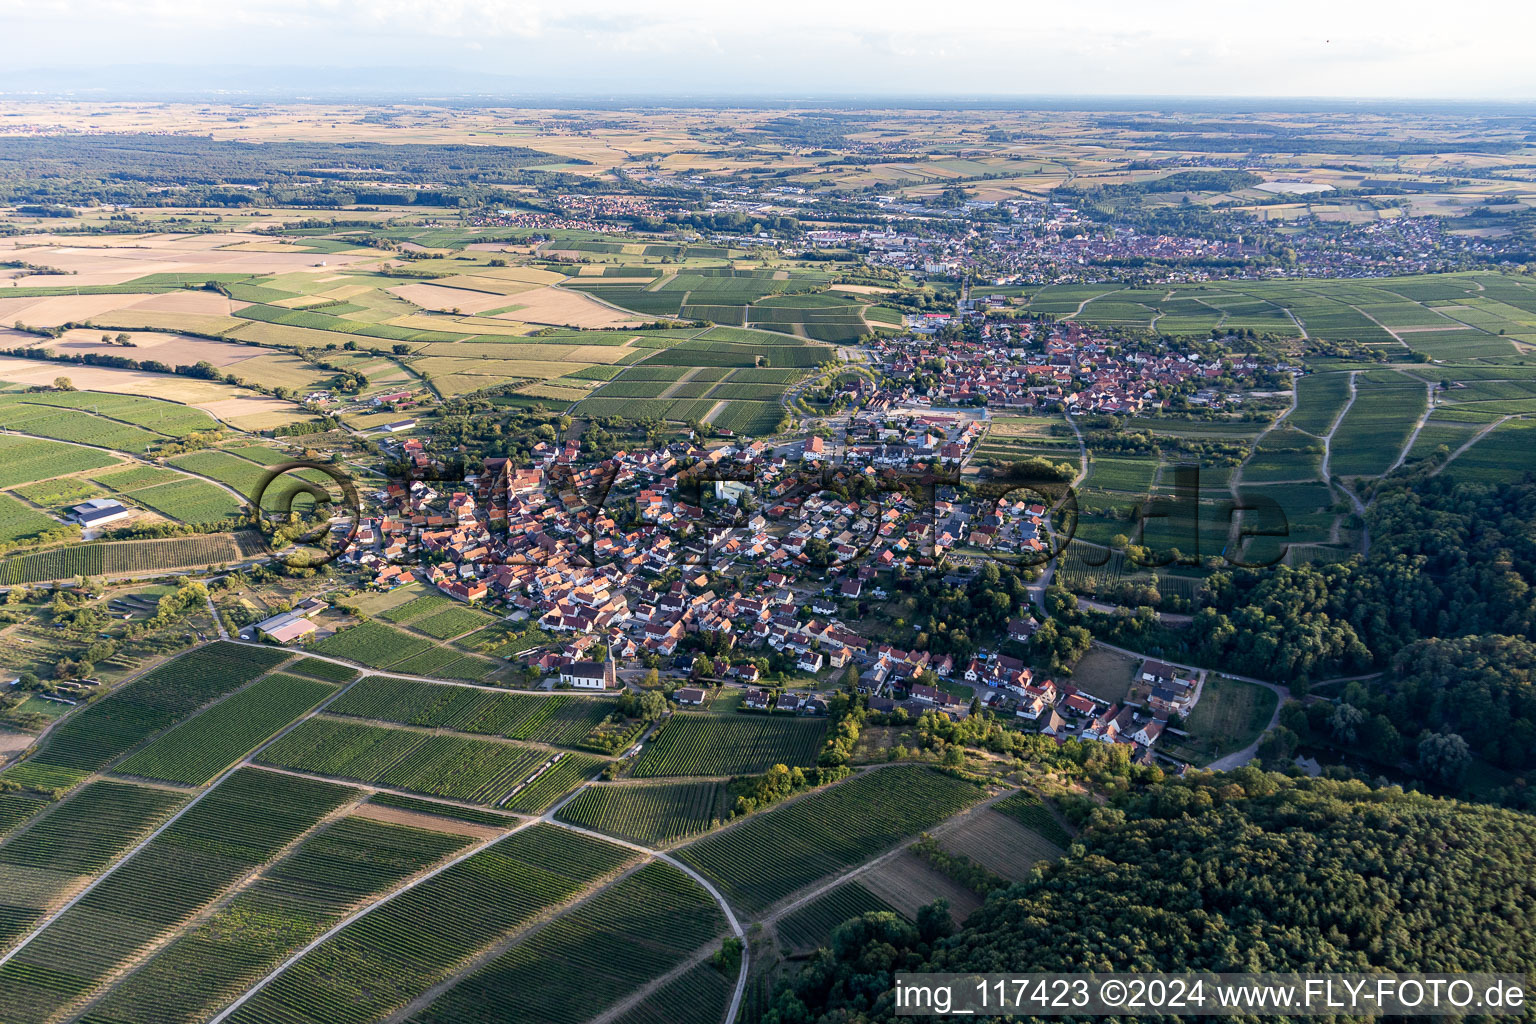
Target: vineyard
(119, 558)
(441, 810)
(570, 771)
(16, 809)
(643, 926)
(403, 947)
(694, 744)
(236, 828)
(697, 996)
(1030, 811)
(202, 747)
(768, 856)
(99, 733)
(373, 644)
(560, 720)
(653, 815)
(807, 927)
(49, 861)
(456, 767)
(295, 900)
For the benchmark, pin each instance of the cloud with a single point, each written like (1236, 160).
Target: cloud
(1305, 47)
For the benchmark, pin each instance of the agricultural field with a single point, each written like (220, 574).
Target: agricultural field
(1003, 845)
(199, 749)
(25, 460)
(1377, 426)
(418, 938)
(459, 768)
(294, 900)
(1030, 811)
(94, 736)
(555, 719)
(641, 927)
(18, 522)
(55, 856)
(699, 995)
(238, 827)
(108, 558)
(700, 744)
(373, 644)
(768, 856)
(1231, 714)
(808, 926)
(651, 814)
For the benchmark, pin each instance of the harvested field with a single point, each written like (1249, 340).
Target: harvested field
(241, 408)
(442, 300)
(1000, 844)
(907, 884)
(430, 822)
(172, 349)
(571, 309)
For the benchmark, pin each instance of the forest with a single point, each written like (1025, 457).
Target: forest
(1228, 872)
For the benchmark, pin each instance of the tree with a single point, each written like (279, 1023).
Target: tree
(1444, 758)
(402, 349)
(63, 384)
(653, 704)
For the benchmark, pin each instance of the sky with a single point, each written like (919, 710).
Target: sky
(1473, 49)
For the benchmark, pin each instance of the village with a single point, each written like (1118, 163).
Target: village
(747, 565)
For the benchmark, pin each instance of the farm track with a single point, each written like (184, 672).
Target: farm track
(135, 460)
(1482, 433)
(103, 876)
(1418, 427)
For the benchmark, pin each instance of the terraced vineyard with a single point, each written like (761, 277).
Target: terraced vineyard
(768, 856)
(237, 827)
(54, 857)
(197, 750)
(94, 736)
(572, 968)
(295, 900)
(403, 947)
(697, 744)
(652, 814)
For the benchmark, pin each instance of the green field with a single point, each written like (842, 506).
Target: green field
(807, 927)
(579, 964)
(419, 938)
(478, 771)
(557, 719)
(653, 814)
(127, 556)
(698, 744)
(293, 901)
(59, 851)
(768, 856)
(197, 750)
(102, 731)
(239, 826)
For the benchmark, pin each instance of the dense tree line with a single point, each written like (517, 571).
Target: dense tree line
(1241, 871)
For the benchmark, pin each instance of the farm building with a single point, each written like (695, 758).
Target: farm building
(100, 512)
(286, 628)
